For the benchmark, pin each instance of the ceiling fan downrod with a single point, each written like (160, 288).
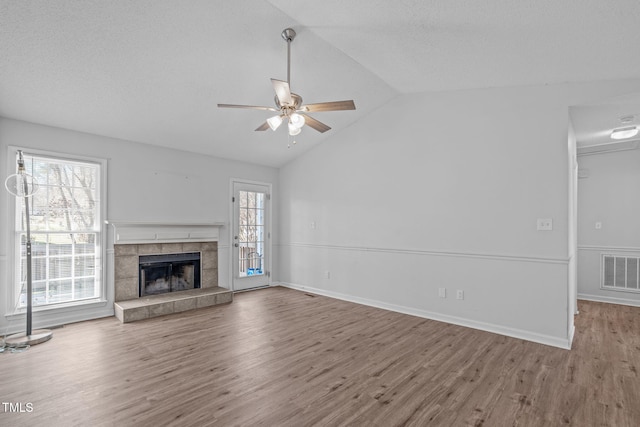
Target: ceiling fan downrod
(288, 34)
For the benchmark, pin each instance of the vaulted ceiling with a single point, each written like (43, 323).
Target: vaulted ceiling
(152, 71)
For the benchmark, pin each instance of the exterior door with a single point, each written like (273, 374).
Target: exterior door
(251, 235)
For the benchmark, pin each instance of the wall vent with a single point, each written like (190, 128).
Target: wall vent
(620, 272)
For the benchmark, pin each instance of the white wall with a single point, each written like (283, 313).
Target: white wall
(145, 183)
(442, 190)
(610, 195)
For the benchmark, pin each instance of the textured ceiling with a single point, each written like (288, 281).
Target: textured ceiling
(417, 45)
(153, 71)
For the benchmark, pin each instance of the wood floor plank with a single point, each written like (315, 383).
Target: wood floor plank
(279, 357)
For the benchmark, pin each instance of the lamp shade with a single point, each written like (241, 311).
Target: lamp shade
(293, 131)
(296, 120)
(274, 122)
(21, 184)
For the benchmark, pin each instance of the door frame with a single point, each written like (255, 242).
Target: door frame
(268, 227)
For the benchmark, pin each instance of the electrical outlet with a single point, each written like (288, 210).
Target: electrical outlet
(459, 294)
(442, 292)
(327, 275)
(545, 224)
(598, 225)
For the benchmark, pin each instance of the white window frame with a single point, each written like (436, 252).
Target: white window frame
(12, 307)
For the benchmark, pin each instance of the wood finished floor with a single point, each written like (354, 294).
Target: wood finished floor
(279, 357)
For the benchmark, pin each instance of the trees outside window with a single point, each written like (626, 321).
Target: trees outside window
(65, 232)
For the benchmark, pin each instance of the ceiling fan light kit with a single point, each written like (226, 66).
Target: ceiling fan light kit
(289, 104)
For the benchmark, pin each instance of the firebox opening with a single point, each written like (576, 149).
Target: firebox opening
(160, 274)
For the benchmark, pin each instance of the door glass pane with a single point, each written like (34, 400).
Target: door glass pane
(251, 233)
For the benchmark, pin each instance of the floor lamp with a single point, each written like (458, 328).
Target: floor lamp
(23, 185)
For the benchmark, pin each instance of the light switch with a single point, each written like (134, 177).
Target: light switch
(598, 225)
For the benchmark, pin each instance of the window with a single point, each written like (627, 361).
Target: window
(66, 234)
(251, 233)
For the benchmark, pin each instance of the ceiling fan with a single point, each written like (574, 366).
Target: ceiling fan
(289, 105)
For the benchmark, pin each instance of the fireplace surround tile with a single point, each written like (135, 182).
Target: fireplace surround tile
(132, 315)
(210, 246)
(127, 260)
(120, 250)
(128, 289)
(206, 301)
(150, 249)
(161, 309)
(126, 267)
(172, 248)
(209, 260)
(196, 246)
(160, 305)
(224, 298)
(209, 278)
(184, 305)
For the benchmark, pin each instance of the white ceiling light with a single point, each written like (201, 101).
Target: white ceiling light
(297, 120)
(293, 131)
(274, 122)
(624, 133)
(627, 130)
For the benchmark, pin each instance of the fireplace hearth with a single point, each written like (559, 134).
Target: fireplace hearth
(159, 274)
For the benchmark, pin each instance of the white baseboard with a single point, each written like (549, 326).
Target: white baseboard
(609, 300)
(53, 318)
(564, 343)
(571, 335)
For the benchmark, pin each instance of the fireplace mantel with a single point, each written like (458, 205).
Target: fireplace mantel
(134, 232)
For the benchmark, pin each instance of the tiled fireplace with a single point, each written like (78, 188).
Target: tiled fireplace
(127, 260)
(188, 253)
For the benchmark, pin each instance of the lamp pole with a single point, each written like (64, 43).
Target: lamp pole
(29, 280)
(24, 185)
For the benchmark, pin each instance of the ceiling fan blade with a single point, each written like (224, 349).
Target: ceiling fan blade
(263, 126)
(250, 107)
(329, 106)
(315, 124)
(283, 92)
